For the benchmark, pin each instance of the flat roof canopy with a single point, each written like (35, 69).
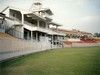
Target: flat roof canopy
(47, 10)
(55, 24)
(34, 16)
(4, 16)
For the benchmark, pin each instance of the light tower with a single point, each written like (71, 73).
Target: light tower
(36, 6)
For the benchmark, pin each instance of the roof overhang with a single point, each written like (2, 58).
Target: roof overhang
(4, 16)
(35, 16)
(47, 11)
(17, 25)
(55, 24)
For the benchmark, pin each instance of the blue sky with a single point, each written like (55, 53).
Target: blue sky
(83, 15)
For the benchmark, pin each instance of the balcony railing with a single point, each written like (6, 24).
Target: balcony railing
(47, 16)
(15, 33)
(30, 24)
(35, 27)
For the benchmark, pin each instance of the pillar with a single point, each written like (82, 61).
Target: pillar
(46, 25)
(28, 37)
(45, 38)
(22, 29)
(38, 24)
(56, 28)
(22, 18)
(57, 40)
(36, 36)
(52, 41)
(31, 35)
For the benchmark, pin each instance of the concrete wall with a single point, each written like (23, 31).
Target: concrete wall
(82, 44)
(12, 48)
(18, 47)
(73, 40)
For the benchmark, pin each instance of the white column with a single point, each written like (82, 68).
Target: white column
(22, 18)
(45, 38)
(46, 25)
(28, 37)
(36, 36)
(56, 28)
(31, 35)
(38, 24)
(57, 40)
(41, 39)
(22, 34)
(52, 41)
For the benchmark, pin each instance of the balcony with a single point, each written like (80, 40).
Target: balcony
(47, 17)
(16, 20)
(33, 27)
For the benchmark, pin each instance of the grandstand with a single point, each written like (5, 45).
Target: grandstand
(76, 38)
(27, 31)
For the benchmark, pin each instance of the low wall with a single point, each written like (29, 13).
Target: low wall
(73, 40)
(10, 48)
(14, 48)
(82, 44)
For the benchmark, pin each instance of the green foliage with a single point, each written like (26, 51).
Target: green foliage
(96, 34)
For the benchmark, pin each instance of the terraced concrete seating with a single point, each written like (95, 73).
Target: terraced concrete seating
(97, 39)
(9, 43)
(88, 40)
(4, 36)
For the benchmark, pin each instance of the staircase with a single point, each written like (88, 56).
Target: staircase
(5, 36)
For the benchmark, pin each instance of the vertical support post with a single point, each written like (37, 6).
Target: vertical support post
(28, 37)
(46, 25)
(57, 41)
(46, 43)
(51, 41)
(36, 36)
(22, 18)
(45, 38)
(56, 28)
(41, 39)
(22, 30)
(31, 35)
(64, 37)
(38, 24)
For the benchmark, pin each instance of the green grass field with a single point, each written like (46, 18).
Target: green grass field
(68, 61)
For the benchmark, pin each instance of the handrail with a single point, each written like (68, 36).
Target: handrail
(16, 19)
(3, 26)
(14, 33)
(25, 22)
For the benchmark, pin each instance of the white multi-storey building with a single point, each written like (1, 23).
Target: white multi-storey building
(32, 24)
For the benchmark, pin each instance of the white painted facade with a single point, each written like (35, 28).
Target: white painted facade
(31, 25)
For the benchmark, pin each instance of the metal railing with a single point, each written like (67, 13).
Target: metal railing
(11, 31)
(3, 26)
(15, 33)
(30, 24)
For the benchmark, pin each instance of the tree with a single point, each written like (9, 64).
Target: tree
(96, 34)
